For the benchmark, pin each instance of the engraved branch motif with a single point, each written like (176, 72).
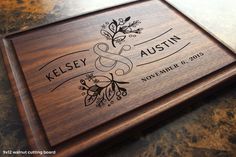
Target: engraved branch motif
(117, 31)
(102, 89)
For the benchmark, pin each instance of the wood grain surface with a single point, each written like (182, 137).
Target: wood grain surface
(63, 111)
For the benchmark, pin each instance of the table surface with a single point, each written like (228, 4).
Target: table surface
(203, 128)
(218, 17)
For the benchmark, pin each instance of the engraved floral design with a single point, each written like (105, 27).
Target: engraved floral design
(101, 90)
(117, 30)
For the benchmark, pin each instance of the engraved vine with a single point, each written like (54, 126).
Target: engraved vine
(101, 89)
(117, 31)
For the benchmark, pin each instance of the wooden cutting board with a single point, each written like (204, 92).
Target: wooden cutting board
(85, 79)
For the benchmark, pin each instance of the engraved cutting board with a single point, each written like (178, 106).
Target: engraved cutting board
(84, 74)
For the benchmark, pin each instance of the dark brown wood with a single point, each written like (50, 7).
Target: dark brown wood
(66, 108)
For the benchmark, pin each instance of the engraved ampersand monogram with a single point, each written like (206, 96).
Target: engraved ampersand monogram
(107, 60)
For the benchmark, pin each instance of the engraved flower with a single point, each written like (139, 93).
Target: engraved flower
(89, 76)
(101, 95)
(100, 101)
(82, 88)
(138, 31)
(103, 26)
(121, 21)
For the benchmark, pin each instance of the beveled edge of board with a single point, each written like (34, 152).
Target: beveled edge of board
(26, 108)
(33, 127)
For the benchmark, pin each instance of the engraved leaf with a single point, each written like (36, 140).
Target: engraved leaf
(122, 82)
(113, 26)
(95, 90)
(110, 91)
(89, 99)
(113, 86)
(134, 23)
(120, 38)
(114, 21)
(127, 19)
(123, 89)
(123, 29)
(106, 34)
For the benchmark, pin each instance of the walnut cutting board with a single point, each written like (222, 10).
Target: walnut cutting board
(81, 74)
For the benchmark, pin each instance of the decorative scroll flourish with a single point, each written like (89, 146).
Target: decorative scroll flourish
(107, 61)
(117, 31)
(101, 90)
